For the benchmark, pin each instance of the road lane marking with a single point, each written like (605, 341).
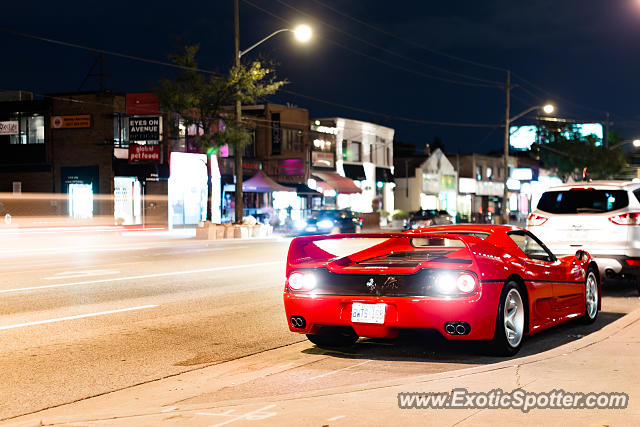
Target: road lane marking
(335, 418)
(82, 273)
(257, 415)
(77, 316)
(145, 276)
(337, 370)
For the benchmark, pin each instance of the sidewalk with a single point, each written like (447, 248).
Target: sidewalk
(604, 361)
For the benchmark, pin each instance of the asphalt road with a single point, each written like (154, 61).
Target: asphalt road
(82, 315)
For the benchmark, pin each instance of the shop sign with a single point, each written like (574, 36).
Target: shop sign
(71, 122)
(142, 103)
(430, 183)
(513, 184)
(290, 167)
(447, 182)
(488, 188)
(144, 128)
(467, 185)
(522, 174)
(9, 128)
(144, 153)
(322, 160)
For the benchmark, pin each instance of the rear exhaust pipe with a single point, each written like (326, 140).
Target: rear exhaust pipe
(298, 322)
(609, 273)
(457, 327)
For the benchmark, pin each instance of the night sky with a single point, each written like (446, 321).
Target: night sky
(582, 55)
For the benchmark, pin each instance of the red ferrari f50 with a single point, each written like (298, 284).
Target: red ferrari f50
(468, 282)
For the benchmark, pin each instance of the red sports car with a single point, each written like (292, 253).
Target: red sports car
(468, 282)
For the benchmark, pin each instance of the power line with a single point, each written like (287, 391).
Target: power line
(411, 42)
(168, 64)
(489, 83)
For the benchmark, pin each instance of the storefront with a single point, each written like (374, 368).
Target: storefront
(188, 189)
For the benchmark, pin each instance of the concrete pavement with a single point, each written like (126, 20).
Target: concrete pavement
(604, 361)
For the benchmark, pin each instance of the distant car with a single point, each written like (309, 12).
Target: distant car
(468, 282)
(600, 216)
(329, 221)
(428, 217)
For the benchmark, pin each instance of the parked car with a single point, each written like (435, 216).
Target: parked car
(427, 218)
(601, 216)
(496, 283)
(329, 221)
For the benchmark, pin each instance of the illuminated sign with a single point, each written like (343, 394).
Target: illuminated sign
(9, 128)
(467, 185)
(71, 122)
(522, 174)
(290, 167)
(522, 137)
(144, 128)
(141, 153)
(142, 103)
(322, 160)
(513, 184)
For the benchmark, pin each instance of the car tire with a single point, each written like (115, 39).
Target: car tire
(333, 337)
(511, 320)
(590, 297)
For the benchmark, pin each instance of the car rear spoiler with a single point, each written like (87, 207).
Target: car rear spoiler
(304, 252)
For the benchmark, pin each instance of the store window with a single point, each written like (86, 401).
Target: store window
(489, 172)
(30, 129)
(356, 150)
(478, 173)
(291, 140)
(121, 130)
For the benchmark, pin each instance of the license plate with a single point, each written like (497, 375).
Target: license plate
(367, 313)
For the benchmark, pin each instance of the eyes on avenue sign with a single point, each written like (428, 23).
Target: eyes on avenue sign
(9, 128)
(144, 128)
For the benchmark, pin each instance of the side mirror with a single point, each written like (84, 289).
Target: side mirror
(581, 255)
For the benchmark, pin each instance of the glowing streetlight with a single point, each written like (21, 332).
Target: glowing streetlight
(548, 109)
(636, 143)
(303, 33)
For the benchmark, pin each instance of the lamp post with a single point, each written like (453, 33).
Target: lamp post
(548, 109)
(303, 34)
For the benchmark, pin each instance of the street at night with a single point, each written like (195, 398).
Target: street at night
(320, 213)
(150, 305)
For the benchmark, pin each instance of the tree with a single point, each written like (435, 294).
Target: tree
(563, 148)
(204, 100)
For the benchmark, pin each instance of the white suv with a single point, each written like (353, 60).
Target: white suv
(600, 217)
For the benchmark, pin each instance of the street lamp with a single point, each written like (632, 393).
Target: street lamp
(548, 109)
(634, 142)
(302, 34)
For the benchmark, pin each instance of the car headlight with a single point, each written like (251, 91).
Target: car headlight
(451, 283)
(325, 223)
(301, 281)
(300, 223)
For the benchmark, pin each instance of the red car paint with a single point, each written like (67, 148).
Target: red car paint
(555, 290)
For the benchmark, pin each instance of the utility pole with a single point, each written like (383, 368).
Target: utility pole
(606, 132)
(507, 120)
(237, 153)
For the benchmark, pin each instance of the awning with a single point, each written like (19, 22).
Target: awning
(384, 175)
(355, 172)
(336, 182)
(261, 183)
(303, 190)
(143, 171)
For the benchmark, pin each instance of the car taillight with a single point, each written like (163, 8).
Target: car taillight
(301, 281)
(534, 220)
(631, 218)
(449, 284)
(633, 262)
